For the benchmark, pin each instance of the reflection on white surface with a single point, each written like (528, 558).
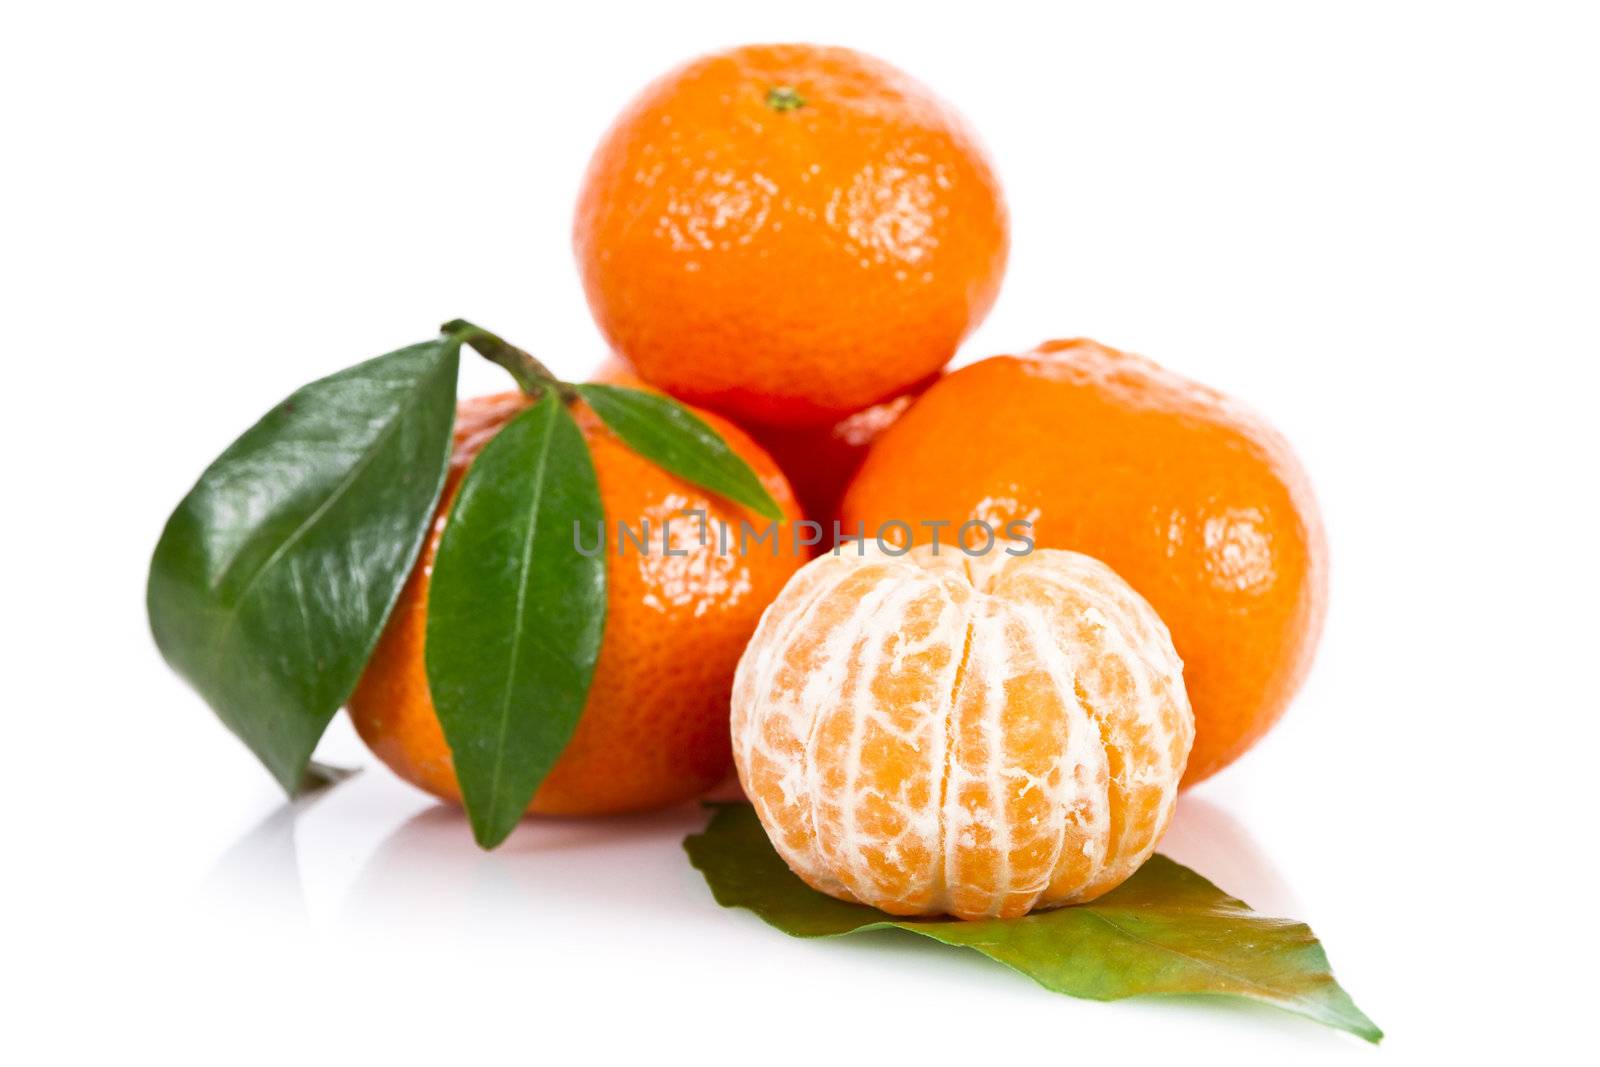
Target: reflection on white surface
(431, 866)
(1209, 839)
(262, 867)
(427, 866)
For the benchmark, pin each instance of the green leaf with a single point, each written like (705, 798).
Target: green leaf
(676, 439)
(274, 576)
(1166, 930)
(515, 613)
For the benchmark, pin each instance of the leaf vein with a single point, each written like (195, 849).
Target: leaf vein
(1266, 991)
(524, 567)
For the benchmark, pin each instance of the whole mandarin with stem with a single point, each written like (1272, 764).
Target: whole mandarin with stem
(655, 728)
(1193, 499)
(789, 233)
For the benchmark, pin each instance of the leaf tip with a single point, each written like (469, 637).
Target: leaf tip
(319, 776)
(1366, 1029)
(491, 831)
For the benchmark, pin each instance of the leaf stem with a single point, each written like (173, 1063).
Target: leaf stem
(531, 376)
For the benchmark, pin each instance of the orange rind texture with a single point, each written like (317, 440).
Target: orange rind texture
(937, 733)
(1193, 499)
(788, 260)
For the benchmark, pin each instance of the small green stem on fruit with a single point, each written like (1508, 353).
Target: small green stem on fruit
(785, 98)
(531, 376)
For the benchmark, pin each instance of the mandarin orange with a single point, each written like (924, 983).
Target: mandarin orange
(655, 728)
(818, 461)
(789, 233)
(938, 733)
(1198, 503)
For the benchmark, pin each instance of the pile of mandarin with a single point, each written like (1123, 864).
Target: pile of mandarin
(1074, 583)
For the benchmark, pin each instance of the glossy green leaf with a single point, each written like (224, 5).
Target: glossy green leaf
(516, 612)
(1166, 930)
(274, 576)
(676, 439)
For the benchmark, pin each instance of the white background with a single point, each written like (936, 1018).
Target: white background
(1376, 223)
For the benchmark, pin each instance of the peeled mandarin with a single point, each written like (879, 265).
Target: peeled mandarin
(975, 735)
